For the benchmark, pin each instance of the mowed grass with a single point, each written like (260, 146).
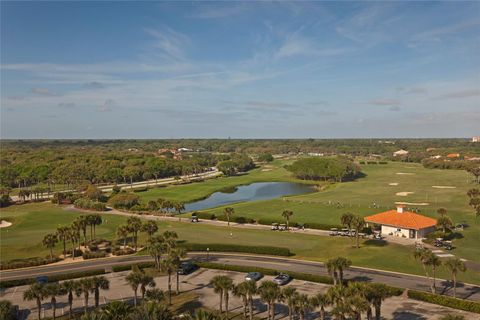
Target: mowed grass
(31, 222)
(198, 190)
(360, 196)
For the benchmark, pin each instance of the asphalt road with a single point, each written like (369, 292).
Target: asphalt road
(470, 292)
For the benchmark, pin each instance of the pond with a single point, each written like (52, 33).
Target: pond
(251, 192)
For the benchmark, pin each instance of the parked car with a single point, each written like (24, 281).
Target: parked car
(255, 276)
(42, 279)
(186, 267)
(333, 232)
(282, 279)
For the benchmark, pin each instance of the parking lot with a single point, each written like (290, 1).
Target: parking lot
(397, 308)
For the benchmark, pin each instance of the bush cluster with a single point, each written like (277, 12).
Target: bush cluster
(122, 252)
(29, 262)
(143, 189)
(223, 247)
(445, 301)
(205, 215)
(88, 204)
(54, 278)
(124, 200)
(94, 255)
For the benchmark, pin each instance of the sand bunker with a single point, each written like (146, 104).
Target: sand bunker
(403, 193)
(413, 203)
(444, 187)
(406, 173)
(266, 169)
(4, 224)
(393, 184)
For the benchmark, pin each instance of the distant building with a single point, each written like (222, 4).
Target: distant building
(402, 223)
(476, 139)
(400, 153)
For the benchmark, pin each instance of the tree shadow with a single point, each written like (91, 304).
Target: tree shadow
(407, 315)
(375, 243)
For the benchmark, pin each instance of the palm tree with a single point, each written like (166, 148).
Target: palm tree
(375, 293)
(156, 246)
(49, 242)
(152, 311)
(96, 221)
(269, 293)
(332, 270)
(155, 295)
(287, 214)
(177, 254)
(53, 290)
(445, 223)
(74, 237)
(85, 285)
(289, 295)
(134, 279)
(455, 265)
(220, 283)
(228, 212)
(62, 233)
(473, 193)
(83, 223)
(116, 310)
(170, 239)
(168, 265)
(70, 288)
(341, 264)
(35, 292)
(303, 304)
(434, 262)
(442, 212)
(90, 221)
(357, 305)
(346, 219)
(251, 290)
(146, 281)
(358, 223)
(134, 225)
(179, 207)
(150, 227)
(321, 301)
(203, 315)
(425, 256)
(122, 233)
(241, 291)
(99, 283)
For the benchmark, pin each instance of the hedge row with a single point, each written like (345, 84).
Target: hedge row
(445, 301)
(220, 247)
(54, 278)
(94, 255)
(126, 267)
(265, 221)
(29, 262)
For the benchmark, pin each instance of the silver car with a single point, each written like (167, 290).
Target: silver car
(282, 279)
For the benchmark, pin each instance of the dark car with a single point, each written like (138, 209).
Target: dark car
(42, 279)
(282, 279)
(186, 268)
(255, 276)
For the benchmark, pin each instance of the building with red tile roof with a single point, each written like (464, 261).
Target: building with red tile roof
(402, 223)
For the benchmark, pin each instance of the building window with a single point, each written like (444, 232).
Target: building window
(399, 230)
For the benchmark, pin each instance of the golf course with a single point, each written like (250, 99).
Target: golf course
(381, 184)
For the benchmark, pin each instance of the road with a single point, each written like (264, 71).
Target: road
(471, 292)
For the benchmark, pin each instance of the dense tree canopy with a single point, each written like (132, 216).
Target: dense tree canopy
(322, 168)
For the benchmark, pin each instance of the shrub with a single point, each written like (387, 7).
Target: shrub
(205, 215)
(371, 162)
(445, 301)
(143, 189)
(382, 162)
(124, 200)
(361, 162)
(223, 247)
(94, 255)
(54, 278)
(29, 262)
(122, 252)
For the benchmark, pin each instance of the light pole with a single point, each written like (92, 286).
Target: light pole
(208, 253)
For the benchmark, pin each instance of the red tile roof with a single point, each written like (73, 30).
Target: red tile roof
(406, 219)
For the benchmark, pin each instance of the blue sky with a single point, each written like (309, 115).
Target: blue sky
(240, 70)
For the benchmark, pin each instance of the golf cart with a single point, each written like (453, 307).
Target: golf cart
(282, 227)
(333, 232)
(438, 242)
(274, 227)
(447, 245)
(194, 219)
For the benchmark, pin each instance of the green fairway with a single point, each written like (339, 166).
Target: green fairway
(31, 222)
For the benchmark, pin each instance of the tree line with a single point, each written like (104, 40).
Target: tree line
(323, 168)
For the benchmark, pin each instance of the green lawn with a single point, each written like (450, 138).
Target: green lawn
(31, 222)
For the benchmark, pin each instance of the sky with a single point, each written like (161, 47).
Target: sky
(239, 69)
